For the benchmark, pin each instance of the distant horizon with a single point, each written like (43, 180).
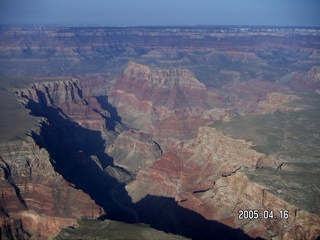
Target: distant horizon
(156, 26)
(148, 13)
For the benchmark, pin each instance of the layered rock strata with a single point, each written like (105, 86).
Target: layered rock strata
(210, 153)
(133, 150)
(47, 201)
(167, 104)
(249, 96)
(71, 103)
(277, 102)
(252, 71)
(206, 175)
(66, 97)
(36, 201)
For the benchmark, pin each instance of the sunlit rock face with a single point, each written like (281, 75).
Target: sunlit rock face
(207, 175)
(210, 155)
(67, 97)
(36, 201)
(133, 150)
(159, 125)
(168, 104)
(35, 194)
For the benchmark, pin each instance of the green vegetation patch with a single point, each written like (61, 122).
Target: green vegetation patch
(95, 229)
(294, 135)
(295, 183)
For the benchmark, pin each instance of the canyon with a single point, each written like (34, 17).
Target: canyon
(163, 132)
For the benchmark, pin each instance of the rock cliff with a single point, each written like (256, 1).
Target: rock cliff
(167, 104)
(237, 193)
(167, 108)
(63, 138)
(210, 153)
(36, 201)
(277, 102)
(133, 122)
(133, 150)
(314, 73)
(66, 97)
(220, 188)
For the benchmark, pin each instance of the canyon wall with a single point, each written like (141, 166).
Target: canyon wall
(128, 134)
(169, 105)
(36, 193)
(36, 201)
(162, 159)
(220, 189)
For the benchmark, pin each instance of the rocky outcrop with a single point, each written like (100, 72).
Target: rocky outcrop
(167, 104)
(277, 102)
(245, 96)
(220, 189)
(190, 179)
(133, 150)
(67, 98)
(34, 195)
(314, 73)
(72, 134)
(301, 82)
(181, 78)
(235, 193)
(72, 104)
(211, 153)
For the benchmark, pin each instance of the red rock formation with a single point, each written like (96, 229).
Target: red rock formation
(35, 195)
(67, 98)
(44, 200)
(202, 170)
(171, 104)
(94, 86)
(168, 104)
(211, 154)
(206, 176)
(236, 192)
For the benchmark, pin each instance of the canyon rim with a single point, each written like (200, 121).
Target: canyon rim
(160, 132)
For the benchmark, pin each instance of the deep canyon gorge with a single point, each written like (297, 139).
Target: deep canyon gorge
(159, 133)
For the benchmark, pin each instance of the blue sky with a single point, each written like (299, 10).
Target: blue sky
(163, 12)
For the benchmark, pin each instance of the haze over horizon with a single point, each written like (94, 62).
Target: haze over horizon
(162, 13)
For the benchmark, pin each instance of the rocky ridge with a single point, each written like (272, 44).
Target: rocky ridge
(75, 155)
(165, 95)
(133, 150)
(43, 201)
(222, 189)
(167, 104)
(36, 200)
(276, 102)
(66, 97)
(170, 104)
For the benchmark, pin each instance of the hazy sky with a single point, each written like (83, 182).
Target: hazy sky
(161, 12)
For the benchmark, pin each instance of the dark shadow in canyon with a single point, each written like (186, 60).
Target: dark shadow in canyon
(114, 116)
(70, 147)
(7, 176)
(164, 213)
